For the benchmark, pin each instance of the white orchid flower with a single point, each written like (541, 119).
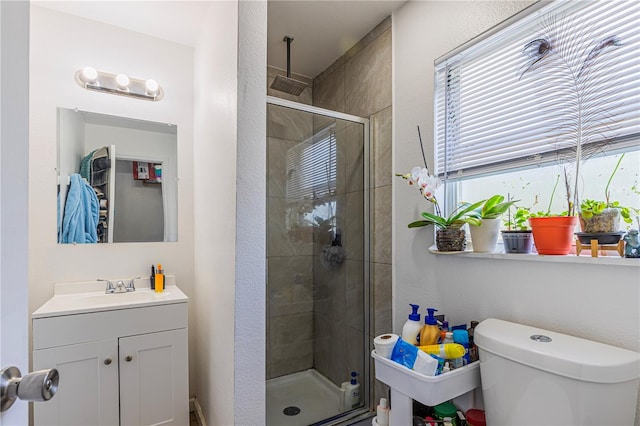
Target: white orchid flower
(415, 174)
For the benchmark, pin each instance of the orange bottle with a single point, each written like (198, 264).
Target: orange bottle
(159, 279)
(430, 331)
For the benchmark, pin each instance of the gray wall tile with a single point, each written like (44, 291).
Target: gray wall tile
(381, 135)
(381, 238)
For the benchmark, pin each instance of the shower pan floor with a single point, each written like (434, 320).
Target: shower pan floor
(314, 395)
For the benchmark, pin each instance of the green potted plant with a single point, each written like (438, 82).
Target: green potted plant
(517, 238)
(601, 219)
(485, 223)
(450, 237)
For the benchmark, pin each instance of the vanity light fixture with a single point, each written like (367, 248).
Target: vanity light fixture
(119, 84)
(122, 81)
(151, 87)
(89, 75)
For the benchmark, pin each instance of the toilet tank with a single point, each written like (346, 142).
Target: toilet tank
(536, 377)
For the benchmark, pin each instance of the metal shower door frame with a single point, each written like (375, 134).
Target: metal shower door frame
(271, 100)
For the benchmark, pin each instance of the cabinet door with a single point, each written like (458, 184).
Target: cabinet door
(154, 383)
(88, 389)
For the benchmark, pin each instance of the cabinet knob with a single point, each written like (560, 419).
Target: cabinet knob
(128, 358)
(107, 361)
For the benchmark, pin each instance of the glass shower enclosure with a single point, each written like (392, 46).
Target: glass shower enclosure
(317, 265)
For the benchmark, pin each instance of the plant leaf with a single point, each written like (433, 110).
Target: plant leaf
(490, 204)
(462, 211)
(419, 224)
(436, 220)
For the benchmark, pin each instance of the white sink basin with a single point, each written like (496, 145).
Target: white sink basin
(75, 298)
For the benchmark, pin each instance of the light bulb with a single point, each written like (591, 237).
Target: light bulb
(151, 87)
(122, 81)
(89, 75)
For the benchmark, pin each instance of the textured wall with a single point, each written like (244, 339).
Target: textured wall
(249, 356)
(215, 154)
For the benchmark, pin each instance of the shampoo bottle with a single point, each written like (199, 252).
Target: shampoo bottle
(352, 393)
(430, 332)
(382, 412)
(412, 327)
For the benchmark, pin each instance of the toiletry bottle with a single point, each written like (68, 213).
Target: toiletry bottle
(447, 350)
(159, 279)
(352, 393)
(153, 277)
(411, 328)
(444, 329)
(473, 348)
(462, 337)
(430, 331)
(382, 412)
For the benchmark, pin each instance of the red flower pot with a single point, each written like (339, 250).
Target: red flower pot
(553, 235)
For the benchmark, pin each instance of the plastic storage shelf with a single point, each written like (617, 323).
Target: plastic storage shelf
(407, 385)
(429, 390)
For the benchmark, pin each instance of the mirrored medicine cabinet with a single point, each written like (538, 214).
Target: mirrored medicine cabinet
(130, 164)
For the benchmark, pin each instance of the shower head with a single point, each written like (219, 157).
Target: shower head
(288, 84)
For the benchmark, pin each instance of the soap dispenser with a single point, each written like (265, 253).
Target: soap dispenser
(352, 393)
(430, 331)
(412, 327)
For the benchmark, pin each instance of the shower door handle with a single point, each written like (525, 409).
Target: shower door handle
(36, 386)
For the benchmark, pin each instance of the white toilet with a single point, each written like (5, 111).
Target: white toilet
(536, 377)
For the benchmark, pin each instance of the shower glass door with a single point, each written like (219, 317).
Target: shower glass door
(317, 265)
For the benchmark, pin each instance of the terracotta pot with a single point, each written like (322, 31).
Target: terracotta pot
(450, 239)
(553, 235)
(485, 236)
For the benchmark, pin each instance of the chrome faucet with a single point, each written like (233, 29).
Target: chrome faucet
(121, 286)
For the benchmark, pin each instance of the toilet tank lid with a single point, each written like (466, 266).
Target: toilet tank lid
(565, 355)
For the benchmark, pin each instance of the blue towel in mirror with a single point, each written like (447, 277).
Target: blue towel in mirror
(81, 213)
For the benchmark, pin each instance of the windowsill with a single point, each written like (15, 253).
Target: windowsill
(534, 257)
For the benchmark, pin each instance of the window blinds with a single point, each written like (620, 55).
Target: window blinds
(488, 118)
(311, 166)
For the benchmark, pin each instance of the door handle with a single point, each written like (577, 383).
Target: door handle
(36, 386)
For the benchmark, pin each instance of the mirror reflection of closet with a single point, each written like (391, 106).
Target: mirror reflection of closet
(131, 167)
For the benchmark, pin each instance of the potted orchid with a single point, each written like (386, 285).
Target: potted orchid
(449, 233)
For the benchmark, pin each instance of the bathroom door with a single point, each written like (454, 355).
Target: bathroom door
(14, 192)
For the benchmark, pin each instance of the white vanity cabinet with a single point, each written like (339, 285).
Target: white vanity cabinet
(125, 365)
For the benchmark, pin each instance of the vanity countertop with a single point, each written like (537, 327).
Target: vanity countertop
(90, 296)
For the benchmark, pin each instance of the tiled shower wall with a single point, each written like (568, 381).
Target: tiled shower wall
(359, 83)
(315, 315)
(289, 254)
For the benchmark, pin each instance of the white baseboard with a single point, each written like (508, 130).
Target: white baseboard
(195, 407)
